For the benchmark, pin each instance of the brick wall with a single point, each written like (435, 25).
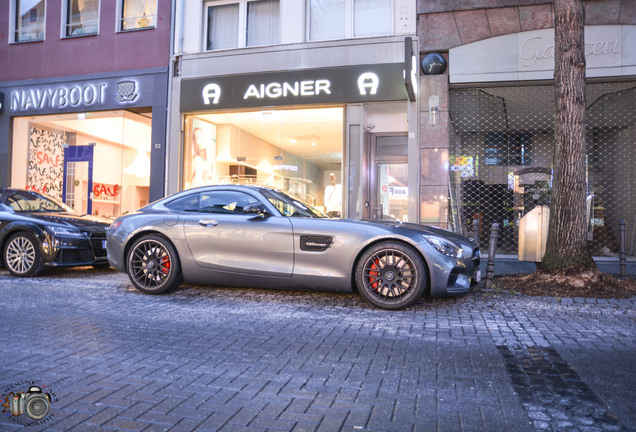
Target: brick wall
(449, 23)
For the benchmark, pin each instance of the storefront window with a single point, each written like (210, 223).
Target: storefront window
(97, 163)
(29, 20)
(296, 150)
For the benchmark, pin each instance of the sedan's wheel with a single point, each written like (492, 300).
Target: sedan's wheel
(153, 265)
(22, 255)
(391, 276)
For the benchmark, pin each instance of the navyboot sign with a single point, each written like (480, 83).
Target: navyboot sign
(71, 96)
(383, 82)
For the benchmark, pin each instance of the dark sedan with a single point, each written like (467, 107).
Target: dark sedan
(258, 236)
(37, 231)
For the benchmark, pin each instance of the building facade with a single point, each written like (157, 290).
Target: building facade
(317, 98)
(84, 88)
(432, 112)
(494, 112)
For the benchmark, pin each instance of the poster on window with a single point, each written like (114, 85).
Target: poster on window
(46, 162)
(203, 145)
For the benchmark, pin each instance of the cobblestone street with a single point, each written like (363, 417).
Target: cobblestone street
(219, 359)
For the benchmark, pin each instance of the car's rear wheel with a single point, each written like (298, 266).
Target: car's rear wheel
(391, 276)
(153, 265)
(22, 255)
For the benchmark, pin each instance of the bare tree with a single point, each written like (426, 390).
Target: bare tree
(566, 249)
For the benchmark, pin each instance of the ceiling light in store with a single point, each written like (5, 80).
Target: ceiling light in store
(140, 166)
(313, 144)
(81, 116)
(293, 141)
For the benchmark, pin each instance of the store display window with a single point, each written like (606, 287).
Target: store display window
(98, 163)
(296, 150)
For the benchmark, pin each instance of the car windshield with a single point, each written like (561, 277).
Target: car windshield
(28, 201)
(291, 206)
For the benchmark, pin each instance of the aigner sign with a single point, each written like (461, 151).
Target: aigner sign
(383, 82)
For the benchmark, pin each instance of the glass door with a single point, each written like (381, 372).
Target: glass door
(392, 191)
(77, 191)
(389, 192)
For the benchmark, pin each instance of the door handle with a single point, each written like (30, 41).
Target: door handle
(208, 222)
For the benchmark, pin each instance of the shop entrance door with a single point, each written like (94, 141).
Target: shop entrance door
(77, 191)
(389, 183)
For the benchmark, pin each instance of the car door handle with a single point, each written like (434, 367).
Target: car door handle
(208, 222)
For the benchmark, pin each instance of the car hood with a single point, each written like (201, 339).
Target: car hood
(87, 223)
(397, 226)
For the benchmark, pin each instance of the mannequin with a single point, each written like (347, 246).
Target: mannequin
(333, 197)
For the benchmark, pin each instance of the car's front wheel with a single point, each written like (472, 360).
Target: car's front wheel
(153, 265)
(391, 276)
(22, 255)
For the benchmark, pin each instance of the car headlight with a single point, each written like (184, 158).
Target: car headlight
(60, 231)
(444, 246)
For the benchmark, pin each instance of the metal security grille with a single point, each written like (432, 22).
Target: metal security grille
(501, 158)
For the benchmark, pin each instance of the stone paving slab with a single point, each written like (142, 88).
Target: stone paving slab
(220, 359)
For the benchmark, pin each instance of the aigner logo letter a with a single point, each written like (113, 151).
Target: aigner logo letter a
(368, 81)
(211, 91)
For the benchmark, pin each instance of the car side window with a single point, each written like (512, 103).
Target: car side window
(226, 202)
(189, 203)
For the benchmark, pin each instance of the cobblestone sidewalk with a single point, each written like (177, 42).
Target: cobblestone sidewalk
(220, 359)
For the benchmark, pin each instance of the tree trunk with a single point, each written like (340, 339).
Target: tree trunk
(566, 249)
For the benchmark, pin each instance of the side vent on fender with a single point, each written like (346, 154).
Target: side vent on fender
(315, 243)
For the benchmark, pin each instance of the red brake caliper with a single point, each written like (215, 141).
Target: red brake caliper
(165, 265)
(374, 281)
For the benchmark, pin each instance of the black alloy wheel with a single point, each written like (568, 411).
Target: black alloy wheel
(22, 255)
(391, 276)
(153, 265)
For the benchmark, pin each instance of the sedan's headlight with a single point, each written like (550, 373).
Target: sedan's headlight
(60, 231)
(444, 246)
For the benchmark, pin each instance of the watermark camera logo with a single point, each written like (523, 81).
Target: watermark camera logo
(35, 403)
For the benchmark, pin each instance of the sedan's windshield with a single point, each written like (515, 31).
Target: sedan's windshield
(27, 201)
(291, 206)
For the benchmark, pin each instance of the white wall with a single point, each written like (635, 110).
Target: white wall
(190, 23)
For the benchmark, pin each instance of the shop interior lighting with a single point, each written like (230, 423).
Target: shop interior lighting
(140, 166)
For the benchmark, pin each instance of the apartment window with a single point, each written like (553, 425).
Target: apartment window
(242, 24)
(138, 14)
(82, 17)
(29, 20)
(263, 22)
(339, 19)
(371, 18)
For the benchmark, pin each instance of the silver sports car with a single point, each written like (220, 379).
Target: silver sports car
(255, 236)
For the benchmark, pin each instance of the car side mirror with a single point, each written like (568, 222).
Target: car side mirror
(256, 209)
